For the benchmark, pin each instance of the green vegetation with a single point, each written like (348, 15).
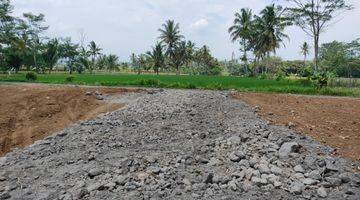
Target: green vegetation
(30, 76)
(25, 48)
(294, 86)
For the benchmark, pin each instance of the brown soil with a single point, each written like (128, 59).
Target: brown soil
(334, 121)
(31, 112)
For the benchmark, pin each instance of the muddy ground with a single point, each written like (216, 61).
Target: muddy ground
(334, 121)
(178, 144)
(30, 112)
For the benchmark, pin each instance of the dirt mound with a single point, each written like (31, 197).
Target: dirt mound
(31, 112)
(334, 121)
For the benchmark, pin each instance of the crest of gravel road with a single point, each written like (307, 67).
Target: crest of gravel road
(177, 144)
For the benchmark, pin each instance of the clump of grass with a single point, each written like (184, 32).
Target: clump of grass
(69, 79)
(190, 86)
(215, 86)
(148, 82)
(31, 76)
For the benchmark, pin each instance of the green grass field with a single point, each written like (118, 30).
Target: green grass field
(190, 82)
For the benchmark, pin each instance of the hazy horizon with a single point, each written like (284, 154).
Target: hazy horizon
(124, 27)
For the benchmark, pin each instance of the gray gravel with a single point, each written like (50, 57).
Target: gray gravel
(177, 144)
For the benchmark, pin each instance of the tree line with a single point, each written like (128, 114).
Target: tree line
(263, 34)
(23, 45)
(173, 53)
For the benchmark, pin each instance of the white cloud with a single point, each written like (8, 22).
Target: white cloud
(201, 23)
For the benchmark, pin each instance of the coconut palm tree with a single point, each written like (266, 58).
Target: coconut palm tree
(141, 62)
(112, 61)
(94, 51)
(190, 52)
(135, 62)
(241, 31)
(157, 56)
(272, 25)
(51, 54)
(305, 50)
(268, 31)
(179, 58)
(170, 35)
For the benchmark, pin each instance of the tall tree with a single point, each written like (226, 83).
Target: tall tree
(268, 31)
(6, 22)
(315, 16)
(135, 62)
(94, 51)
(34, 28)
(241, 31)
(305, 50)
(190, 52)
(179, 57)
(51, 54)
(141, 62)
(157, 57)
(170, 35)
(69, 51)
(112, 62)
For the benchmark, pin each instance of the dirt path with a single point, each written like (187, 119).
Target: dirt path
(30, 112)
(334, 121)
(177, 144)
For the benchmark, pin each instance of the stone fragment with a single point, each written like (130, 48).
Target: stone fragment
(296, 188)
(94, 172)
(287, 148)
(345, 178)
(276, 170)
(232, 185)
(321, 192)
(264, 169)
(209, 178)
(233, 157)
(259, 181)
(309, 181)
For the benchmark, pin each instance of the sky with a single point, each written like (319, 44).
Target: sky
(123, 27)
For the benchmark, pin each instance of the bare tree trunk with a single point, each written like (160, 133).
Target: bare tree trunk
(245, 58)
(316, 51)
(177, 70)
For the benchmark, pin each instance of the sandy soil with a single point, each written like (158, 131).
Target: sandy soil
(334, 121)
(31, 112)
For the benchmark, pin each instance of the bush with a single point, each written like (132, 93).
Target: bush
(307, 71)
(263, 76)
(190, 86)
(235, 69)
(149, 82)
(31, 76)
(322, 79)
(69, 79)
(215, 86)
(280, 75)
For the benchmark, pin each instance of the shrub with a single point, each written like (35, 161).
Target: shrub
(322, 79)
(263, 76)
(149, 82)
(190, 86)
(69, 79)
(235, 69)
(307, 71)
(31, 76)
(280, 75)
(215, 86)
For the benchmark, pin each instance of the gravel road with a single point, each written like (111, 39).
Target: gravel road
(177, 144)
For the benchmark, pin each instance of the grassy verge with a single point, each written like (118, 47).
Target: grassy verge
(190, 82)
